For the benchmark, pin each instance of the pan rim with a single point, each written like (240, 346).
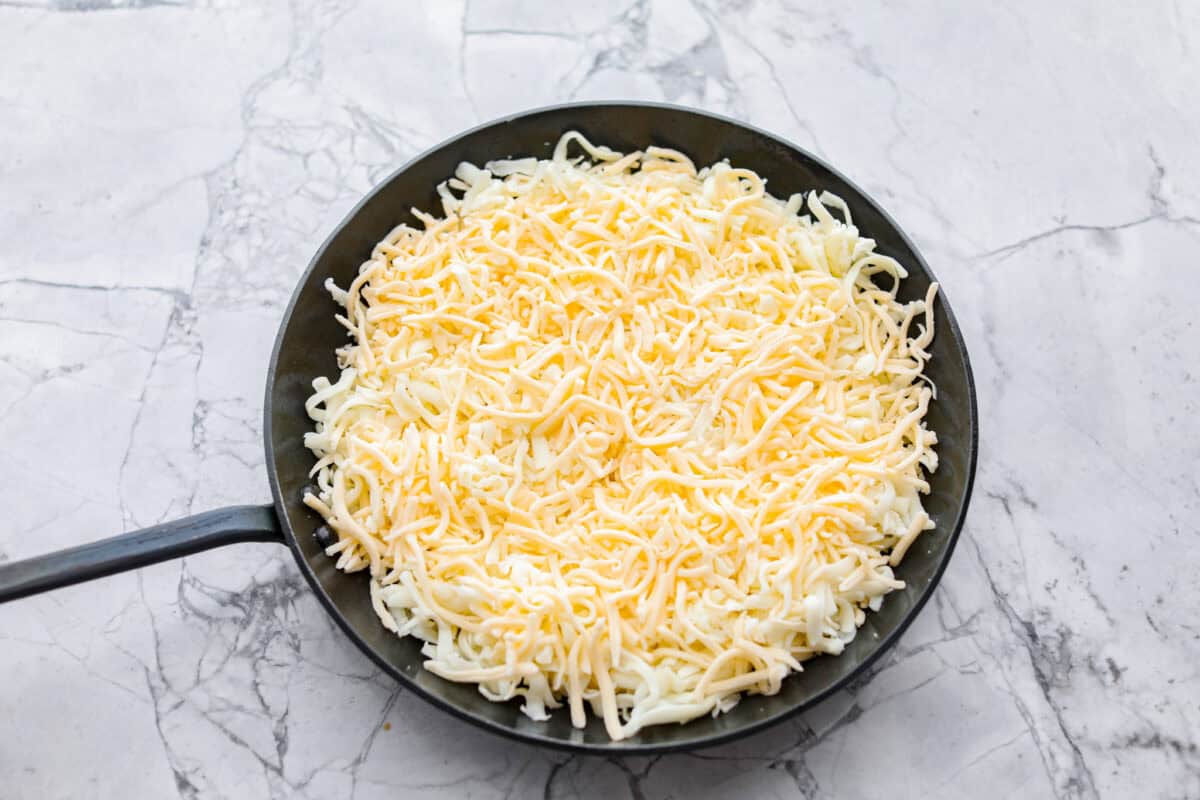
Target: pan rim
(948, 323)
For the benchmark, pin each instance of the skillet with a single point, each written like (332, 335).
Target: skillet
(304, 349)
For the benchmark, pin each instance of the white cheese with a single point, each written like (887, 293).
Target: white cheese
(623, 434)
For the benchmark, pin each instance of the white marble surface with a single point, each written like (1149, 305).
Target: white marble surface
(166, 169)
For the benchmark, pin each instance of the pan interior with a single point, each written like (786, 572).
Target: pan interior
(309, 335)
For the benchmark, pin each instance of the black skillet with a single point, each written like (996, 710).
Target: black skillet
(305, 347)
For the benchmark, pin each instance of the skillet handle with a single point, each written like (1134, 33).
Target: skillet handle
(129, 551)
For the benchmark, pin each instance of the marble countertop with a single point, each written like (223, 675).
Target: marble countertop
(166, 170)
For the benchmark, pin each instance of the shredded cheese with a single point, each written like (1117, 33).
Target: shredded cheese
(620, 433)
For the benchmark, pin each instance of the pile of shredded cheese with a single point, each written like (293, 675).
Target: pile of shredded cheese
(623, 433)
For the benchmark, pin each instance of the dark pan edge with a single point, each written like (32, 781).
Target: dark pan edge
(949, 322)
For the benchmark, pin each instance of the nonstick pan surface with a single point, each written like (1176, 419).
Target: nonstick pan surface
(305, 348)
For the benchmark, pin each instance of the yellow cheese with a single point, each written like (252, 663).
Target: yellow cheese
(618, 432)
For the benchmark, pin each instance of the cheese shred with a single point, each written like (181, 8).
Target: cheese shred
(618, 433)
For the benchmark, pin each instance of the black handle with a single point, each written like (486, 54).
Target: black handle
(175, 539)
